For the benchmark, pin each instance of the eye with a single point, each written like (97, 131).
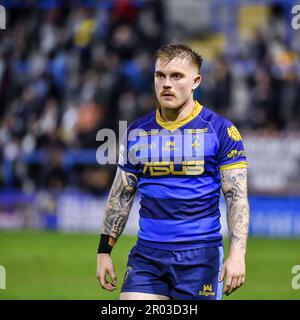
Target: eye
(159, 75)
(177, 76)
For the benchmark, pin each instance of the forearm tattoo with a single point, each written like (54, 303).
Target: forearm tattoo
(234, 186)
(119, 203)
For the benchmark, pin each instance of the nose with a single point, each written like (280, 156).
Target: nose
(167, 83)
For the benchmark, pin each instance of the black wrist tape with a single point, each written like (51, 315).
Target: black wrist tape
(104, 247)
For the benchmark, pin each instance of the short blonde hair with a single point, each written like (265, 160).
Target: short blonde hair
(176, 50)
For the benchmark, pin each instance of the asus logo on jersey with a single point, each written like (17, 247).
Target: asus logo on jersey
(166, 168)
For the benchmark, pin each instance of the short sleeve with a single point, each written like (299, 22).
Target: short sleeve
(126, 161)
(231, 153)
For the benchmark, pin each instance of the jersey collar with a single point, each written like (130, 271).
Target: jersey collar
(171, 126)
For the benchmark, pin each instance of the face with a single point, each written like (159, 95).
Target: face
(175, 81)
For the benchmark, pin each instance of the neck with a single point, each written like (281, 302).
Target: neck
(178, 113)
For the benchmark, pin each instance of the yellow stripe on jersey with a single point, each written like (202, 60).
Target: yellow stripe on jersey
(236, 165)
(173, 125)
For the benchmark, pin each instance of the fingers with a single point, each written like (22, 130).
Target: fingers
(243, 279)
(227, 285)
(233, 283)
(107, 277)
(232, 286)
(240, 281)
(106, 273)
(113, 277)
(107, 280)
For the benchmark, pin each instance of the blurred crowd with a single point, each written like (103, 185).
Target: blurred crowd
(66, 72)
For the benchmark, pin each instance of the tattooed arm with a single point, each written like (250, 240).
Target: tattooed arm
(119, 203)
(234, 186)
(117, 210)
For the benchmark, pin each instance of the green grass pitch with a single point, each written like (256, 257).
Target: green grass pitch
(46, 265)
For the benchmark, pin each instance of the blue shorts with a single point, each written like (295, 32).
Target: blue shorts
(187, 274)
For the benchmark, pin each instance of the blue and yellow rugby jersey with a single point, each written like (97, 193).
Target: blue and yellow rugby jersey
(179, 166)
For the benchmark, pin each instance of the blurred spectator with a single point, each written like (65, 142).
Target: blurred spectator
(221, 90)
(262, 104)
(91, 117)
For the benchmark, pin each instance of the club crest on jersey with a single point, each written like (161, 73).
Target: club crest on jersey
(207, 290)
(233, 133)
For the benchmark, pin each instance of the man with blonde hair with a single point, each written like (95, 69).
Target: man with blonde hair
(179, 157)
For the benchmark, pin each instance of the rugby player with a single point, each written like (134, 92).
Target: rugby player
(179, 157)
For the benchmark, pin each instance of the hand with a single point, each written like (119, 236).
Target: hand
(234, 271)
(105, 268)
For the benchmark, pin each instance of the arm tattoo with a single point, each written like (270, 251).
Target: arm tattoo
(234, 186)
(119, 203)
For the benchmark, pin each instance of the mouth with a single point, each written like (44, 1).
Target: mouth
(167, 95)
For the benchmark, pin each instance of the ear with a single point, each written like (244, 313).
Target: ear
(197, 81)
